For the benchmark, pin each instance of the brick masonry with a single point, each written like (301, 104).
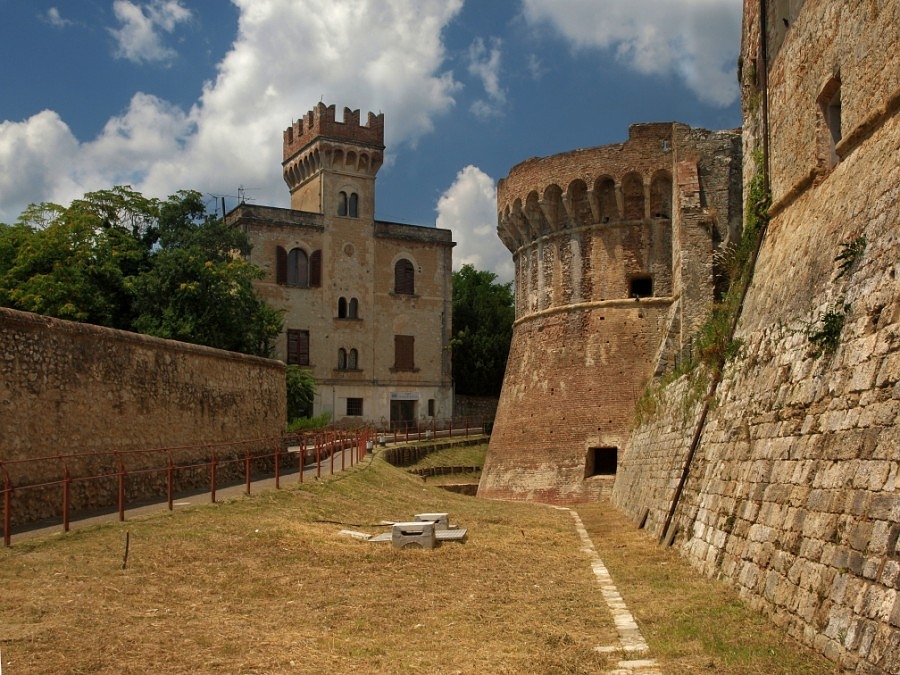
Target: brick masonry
(72, 388)
(793, 492)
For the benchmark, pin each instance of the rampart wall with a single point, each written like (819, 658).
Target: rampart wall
(793, 493)
(72, 389)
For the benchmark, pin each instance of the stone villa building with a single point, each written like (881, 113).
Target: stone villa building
(367, 302)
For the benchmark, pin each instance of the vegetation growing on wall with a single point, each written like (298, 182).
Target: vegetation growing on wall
(714, 344)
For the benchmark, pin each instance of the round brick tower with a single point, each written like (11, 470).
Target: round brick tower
(613, 251)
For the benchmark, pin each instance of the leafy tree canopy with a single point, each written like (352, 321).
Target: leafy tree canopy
(161, 267)
(483, 314)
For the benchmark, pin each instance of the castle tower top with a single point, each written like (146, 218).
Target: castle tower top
(320, 123)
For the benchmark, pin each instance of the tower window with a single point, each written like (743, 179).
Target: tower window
(342, 308)
(404, 277)
(830, 120)
(298, 268)
(353, 312)
(342, 204)
(353, 207)
(342, 359)
(353, 360)
(298, 347)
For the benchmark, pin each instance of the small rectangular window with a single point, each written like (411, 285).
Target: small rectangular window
(431, 407)
(298, 347)
(404, 352)
(354, 407)
(601, 462)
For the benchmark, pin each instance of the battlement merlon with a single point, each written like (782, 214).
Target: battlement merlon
(320, 122)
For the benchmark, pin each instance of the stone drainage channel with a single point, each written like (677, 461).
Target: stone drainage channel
(630, 639)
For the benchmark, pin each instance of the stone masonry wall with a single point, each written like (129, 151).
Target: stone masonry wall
(76, 389)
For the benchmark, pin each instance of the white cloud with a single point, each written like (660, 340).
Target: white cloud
(55, 19)
(376, 55)
(139, 38)
(696, 40)
(469, 209)
(484, 63)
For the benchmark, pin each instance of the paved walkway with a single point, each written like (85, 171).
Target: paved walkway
(288, 476)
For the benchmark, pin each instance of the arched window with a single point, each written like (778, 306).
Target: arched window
(298, 268)
(661, 196)
(342, 204)
(352, 360)
(606, 198)
(342, 308)
(404, 277)
(353, 209)
(342, 359)
(315, 269)
(633, 192)
(354, 309)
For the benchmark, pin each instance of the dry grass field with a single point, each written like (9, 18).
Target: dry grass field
(268, 585)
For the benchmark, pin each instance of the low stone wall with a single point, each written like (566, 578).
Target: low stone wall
(94, 400)
(476, 409)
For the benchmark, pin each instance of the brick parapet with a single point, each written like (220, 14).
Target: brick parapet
(320, 122)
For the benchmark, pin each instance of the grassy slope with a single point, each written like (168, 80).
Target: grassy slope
(267, 585)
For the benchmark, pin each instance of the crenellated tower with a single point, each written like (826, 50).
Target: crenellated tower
(330, 166)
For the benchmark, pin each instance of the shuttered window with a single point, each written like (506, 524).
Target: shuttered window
(315, 269)
(298, 347)
(404, 277)
(404, 352)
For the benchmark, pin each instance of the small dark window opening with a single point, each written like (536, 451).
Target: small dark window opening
(431, 407)
(640, 287)
(353, 360)
(354, 309)
(342, 308)
(601, 462)
(354, 407)
(832, 111)
(342, 204)
(353, 210)
(342, 359)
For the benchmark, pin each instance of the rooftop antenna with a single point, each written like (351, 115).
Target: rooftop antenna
(242, 194)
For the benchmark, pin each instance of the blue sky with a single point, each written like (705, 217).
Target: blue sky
(194, 94)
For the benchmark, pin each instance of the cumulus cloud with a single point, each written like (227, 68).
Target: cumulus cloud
(139, 37)
(696, 40)
(469, 209)
(378, 55)
(484, 63)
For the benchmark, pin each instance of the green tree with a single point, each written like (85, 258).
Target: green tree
(116, 258)
(483, 314)
(301, 390)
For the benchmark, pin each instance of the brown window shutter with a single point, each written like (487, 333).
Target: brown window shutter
(315, 269)
(404, 356)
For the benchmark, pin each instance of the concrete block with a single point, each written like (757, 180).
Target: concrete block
(419, 534)
(441, 520)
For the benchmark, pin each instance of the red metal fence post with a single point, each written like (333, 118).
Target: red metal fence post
(318, 456)
(121, 486)
(247, 469)
(301, 456)
(277, 456)
(7, 493)
(333, 438)
(170, 479)
(66, 480)
(343, 453)
(212, 478)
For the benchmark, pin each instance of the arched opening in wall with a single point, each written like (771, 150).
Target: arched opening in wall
(298, 268)
(534, 218)
(601, 461)
(342, 204)
(640, 287)
(353, 360)
(581, 208)
(606, 200)
(342, 308)
(829, 121)
(552, 208)
(353, 206)
(342, 359)
(633, 194)
(353, 309)
(404, 277)
(661, 195)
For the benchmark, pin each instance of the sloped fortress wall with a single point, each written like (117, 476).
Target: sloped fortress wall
(613, 250)
(793, 491)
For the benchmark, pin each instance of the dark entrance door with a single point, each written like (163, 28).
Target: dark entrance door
(403, 414)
